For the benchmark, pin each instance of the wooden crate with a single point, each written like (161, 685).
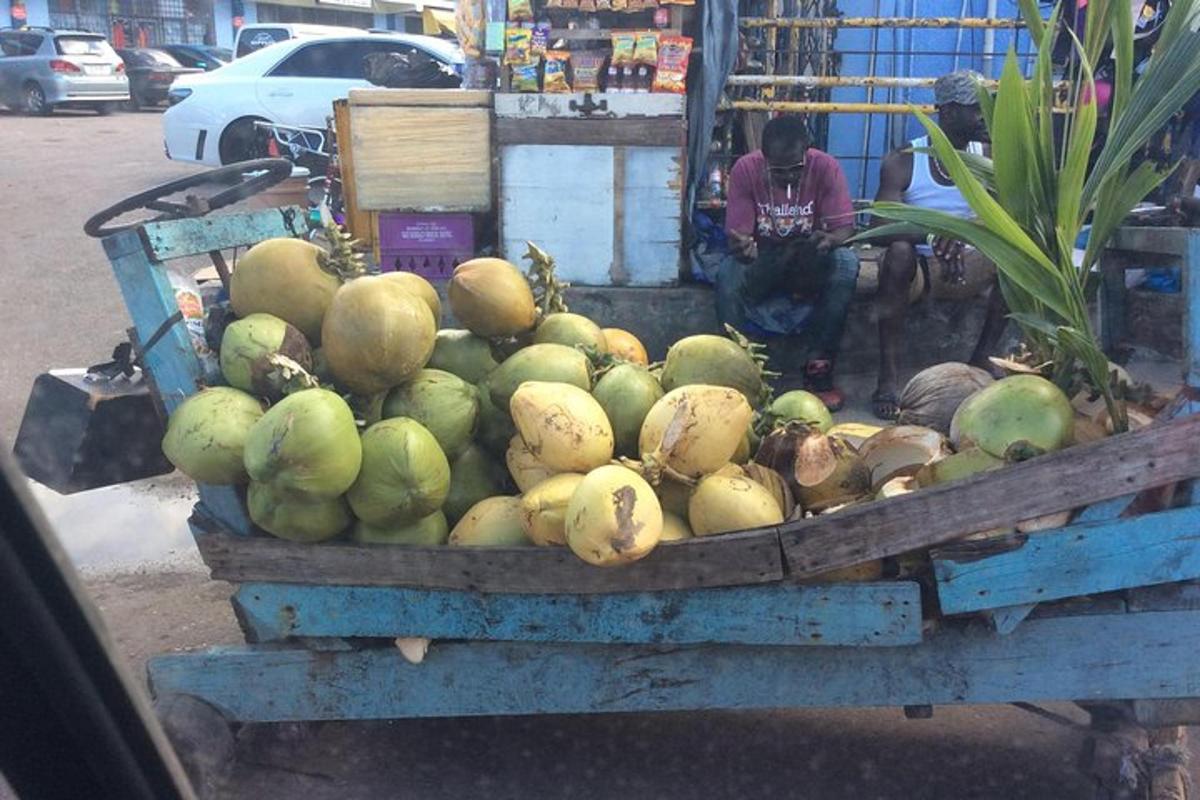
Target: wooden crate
(421, 149)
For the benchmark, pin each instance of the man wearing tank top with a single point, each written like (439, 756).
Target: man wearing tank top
(787, 217)
(945, 268)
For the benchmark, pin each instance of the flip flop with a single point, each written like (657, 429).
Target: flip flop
(885, 405)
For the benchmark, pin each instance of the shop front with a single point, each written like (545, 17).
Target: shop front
(138, 23)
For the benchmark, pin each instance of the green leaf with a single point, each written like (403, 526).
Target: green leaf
(1014, 147)
(1117, 198)
(1078, 147)
(905, 229)
(1033, 21)
(1122, 53)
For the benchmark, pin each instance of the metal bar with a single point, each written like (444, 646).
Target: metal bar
(830, 108)
(834, 81)
(880, 22)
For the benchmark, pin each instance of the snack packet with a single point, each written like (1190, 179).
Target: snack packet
(645, 48)
(623, 43)
(587, 66)
(518, 44)
(587, 6)
(540, 38)
(525, 76)
(469, 26)
(673, 55)
(554, 77)
(520, 10)
(619, 5)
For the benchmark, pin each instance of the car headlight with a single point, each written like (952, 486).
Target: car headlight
(178, 95)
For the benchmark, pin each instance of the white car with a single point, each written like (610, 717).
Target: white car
(212, 114)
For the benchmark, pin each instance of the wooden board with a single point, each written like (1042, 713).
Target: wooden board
(615, 106)
(358, 219)
(861, 614)
(441, 98)
(1084, 474)
(220, 231)
(735, 559)
(634, 132)
(422, 158)
(1068, 658)
(1076, 560)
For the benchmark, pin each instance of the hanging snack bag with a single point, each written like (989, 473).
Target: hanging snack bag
(619, 5)
(587, 6)
(540, 38)
(520, 10)
(645, 48)
(587, 66)
(518, 45)
(623, 44)
(673, 55)
(469, 26)
(554, 77)
(525, 76)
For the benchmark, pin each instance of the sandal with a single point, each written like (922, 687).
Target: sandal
(818, 379)
(885, 405)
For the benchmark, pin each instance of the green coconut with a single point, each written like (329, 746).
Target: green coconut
(307, 443)
(474, 475)
(627, 392)
(296, 517)
(550, 363)
(429, 531)
(416, 285)
(405, 474)
(573, 330)
(376, 335)
(798, 405)
(444, 403)
(496, 426)
(284, 277)
(1014, 418)
(246, 349)
(207, 433)
(320, 367)
(462, 353)
(956, 466)
(712, 360)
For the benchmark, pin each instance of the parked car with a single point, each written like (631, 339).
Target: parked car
(151, 73)
(259, 35)
(201, 56)
(211, 116)
(42, 69)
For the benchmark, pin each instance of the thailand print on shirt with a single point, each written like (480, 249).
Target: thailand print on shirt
(820, 200)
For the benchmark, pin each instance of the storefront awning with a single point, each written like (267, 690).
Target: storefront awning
(435, 21)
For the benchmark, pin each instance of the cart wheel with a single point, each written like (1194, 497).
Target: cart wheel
(202, 738)
(232, 183)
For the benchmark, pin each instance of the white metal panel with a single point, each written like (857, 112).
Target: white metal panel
(560, 198)
(652, 207)
(546, 106)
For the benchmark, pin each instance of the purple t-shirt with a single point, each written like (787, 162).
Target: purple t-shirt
(820, 201)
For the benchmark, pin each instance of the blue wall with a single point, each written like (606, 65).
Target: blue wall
(926, 53)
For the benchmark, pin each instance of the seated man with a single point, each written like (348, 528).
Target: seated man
(788, 214)
(919, 179)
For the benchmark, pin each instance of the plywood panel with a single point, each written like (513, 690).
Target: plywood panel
(618, 106)
(422, 159)
(462, 98)
(653, 204)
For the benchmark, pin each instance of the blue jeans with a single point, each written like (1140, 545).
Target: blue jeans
(824, 285)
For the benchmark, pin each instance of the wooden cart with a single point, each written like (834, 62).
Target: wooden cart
(1103, 611)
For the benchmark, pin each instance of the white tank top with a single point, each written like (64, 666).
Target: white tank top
(925, 192)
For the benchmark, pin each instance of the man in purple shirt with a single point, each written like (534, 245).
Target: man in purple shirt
(787, 217)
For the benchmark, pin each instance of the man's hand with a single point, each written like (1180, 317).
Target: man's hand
(743, 246)
(825, 241)
(950, 253)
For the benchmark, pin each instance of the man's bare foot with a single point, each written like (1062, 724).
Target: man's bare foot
(884, 404)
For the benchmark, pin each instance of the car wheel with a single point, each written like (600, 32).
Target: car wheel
(241, 142)
(35, 100)
(135, 102)
(104, 109)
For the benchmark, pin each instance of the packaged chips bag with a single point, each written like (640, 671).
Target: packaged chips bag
(587, 67)
(623, 44)
(645, 48)
(520, 10)
(673, 55)
(518, 45)
(540, 38)
(525, 76)
(554, 76)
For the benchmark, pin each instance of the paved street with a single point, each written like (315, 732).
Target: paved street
(62, 309)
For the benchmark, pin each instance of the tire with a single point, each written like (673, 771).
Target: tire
(240, 142)
(34, 98)
(104, 109)
(135, 102)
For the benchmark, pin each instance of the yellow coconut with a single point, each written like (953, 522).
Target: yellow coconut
(415, 284)
(722, 503)
(544, 509)
(376, 335)
(613, 517)
(675, 528)
(492, 522)
(623, 344)
(695, 429)
(774, 483)
(491, 297)
(563, 426)
(527, 472)
(284, 277)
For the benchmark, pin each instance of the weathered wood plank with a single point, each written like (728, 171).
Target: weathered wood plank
(617, 106)
(1168, 597)
(631, 132)
(735, 559)
(463, 98)
(863, 614)
(1084, 474)
(1076, 560)
(188, 237)
(1072, 658)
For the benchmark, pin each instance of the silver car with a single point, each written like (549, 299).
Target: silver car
(41, 69)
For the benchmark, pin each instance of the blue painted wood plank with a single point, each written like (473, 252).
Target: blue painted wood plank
(879, 614)
(1105, 510)
(1067, 658)
(1191, 318)
(1075, 560)
(220, 231)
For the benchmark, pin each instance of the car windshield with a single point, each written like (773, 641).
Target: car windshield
(83, 46)
(223, 54)
(155, 58)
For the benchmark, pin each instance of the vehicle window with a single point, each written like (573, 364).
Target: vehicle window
(83, 46)
(221, 53)
(249, 41)
(29, 43)
(9, 46)
(159, 57)
(325, 60)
